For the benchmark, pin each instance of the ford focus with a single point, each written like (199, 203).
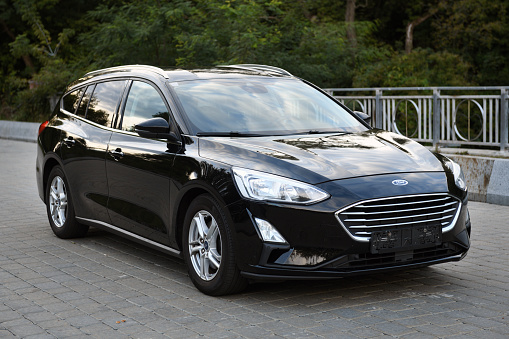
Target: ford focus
(247, 173)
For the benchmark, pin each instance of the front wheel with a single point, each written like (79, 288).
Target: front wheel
(59, 207)
(208, 248)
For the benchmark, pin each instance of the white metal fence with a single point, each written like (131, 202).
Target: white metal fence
(439, 115)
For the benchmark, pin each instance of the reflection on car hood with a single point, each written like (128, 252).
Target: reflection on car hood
(320, 158)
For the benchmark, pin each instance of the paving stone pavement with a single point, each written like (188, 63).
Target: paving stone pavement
(103, 286)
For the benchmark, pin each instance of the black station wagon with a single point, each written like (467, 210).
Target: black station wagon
(248, 173)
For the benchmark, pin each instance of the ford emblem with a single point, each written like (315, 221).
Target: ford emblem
(400, 182)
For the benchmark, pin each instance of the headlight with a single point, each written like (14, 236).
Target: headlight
(262, 186)
(459, 178)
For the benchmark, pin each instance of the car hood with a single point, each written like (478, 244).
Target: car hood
(325, 157)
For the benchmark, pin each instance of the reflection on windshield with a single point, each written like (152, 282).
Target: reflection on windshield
(361, 141)
(260, 106)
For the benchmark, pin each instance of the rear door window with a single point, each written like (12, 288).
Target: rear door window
(104, 102)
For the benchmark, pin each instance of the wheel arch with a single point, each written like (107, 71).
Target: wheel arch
(48, 166)
(186, 197)
(183, 205)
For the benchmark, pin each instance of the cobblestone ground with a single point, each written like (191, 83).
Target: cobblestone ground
(106, 287)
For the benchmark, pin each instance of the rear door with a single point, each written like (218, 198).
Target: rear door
(85, 136)
(138, 168)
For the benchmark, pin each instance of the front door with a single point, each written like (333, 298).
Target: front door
(138, 169)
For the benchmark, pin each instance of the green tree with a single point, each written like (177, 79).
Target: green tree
(479, 31)
(40, 43)
(329, 42)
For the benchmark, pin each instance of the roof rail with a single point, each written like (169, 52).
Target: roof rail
(128, 68)
(256, 67)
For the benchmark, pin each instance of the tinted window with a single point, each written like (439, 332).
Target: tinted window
(72, 100)
(143, 102)
(104, 101)
(82, 109)
(260, 105)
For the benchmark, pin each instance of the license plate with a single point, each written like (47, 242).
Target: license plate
(404, 239)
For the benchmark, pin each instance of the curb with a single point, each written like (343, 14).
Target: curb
(16, 130)
(498, 189)
(487, 178)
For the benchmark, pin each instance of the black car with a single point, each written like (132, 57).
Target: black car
(248, 173)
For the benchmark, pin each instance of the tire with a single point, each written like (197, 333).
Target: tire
(59, 207)
(208, 248)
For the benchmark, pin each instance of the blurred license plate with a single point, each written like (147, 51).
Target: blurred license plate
(404, 239)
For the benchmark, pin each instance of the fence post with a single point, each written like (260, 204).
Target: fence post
(378, 109)
(437, 114)
(504, 121)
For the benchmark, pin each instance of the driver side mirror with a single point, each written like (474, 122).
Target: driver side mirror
(156, 128)
(363, 116)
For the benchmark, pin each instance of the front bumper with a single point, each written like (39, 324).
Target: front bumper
(264, 273)
(358, 264)
(320, 247)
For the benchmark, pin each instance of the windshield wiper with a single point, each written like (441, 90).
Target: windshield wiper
(314, 131)
(227, 134)
(247, 135)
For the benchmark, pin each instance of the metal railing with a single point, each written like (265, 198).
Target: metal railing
(440, 115)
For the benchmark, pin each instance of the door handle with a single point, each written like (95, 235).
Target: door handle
(117, 154)
(69, 141)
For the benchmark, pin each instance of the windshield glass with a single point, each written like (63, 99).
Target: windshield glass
(261, 106)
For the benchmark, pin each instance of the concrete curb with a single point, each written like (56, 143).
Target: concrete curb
(487, 178)
(498, 188)
(16, 130)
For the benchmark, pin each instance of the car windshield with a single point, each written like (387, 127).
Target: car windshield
(260, 106)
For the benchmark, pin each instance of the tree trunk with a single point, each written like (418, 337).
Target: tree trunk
(26, 58)
(409, 40)
(350, 21)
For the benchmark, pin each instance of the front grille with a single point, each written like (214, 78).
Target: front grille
(365, 217)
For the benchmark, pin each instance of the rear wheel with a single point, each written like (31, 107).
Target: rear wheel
(208, 248)
(59, 207)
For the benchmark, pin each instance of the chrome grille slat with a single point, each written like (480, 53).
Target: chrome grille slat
(403, 203)
(365, 217)
(410, 223)
(400, 217)
(402, 211)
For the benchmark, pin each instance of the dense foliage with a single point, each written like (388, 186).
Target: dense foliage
(46, 43)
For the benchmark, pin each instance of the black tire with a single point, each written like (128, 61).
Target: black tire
(201, 251)
(60, 208)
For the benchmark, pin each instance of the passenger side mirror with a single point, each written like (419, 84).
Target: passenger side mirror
(156, 128)
(363, 116)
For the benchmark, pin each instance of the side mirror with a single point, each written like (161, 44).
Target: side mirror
(156, 128)
(363, 116)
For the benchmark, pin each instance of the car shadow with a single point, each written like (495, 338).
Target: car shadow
(373, 287)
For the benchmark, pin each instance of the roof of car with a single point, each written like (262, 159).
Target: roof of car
(182, 75)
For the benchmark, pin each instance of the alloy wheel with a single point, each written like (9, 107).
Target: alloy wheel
(205, 245)
(58, 201)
